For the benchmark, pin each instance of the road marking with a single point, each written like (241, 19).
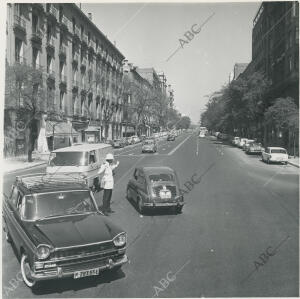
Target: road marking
(197, 150)
(178, 146)
(273, 176)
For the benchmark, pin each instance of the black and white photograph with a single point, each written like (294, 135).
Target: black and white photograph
(149, 149)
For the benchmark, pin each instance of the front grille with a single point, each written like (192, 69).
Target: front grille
(89, 249)
(87, 263)
(171, 188)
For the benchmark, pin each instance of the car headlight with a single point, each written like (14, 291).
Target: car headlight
(120, 239)
(43, 251)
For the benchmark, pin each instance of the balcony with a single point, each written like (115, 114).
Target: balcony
(75, 58)
(50, 44)
(84, 39)
(51, 75)
(76, 33)
(83, 87)
(83, 62)
(92, 46)
(38, 6)
(62, 81)
(52, 12)
(37, 35)
(62, 52)
(75, 84)
(64, 23)
(19, 24)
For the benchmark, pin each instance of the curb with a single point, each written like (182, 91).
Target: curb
(24, 168)
(293, 164)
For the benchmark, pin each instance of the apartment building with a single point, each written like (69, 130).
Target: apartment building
(82, 71)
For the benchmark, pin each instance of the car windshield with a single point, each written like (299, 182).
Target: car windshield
(162, 177)
(148, 142)
(278, 151)
(68, 159)
(57, 204)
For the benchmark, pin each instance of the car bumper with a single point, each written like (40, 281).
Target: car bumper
(163, 204)
(278, 160)
(148, 149)
(60, 273)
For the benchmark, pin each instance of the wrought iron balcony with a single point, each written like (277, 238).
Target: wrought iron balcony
(63, 51)
(19, 23)
(52, 11)
(37, 35)
(64, 22)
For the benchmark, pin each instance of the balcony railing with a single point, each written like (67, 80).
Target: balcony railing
(62, 51)
(64, 22)
(50, 42)
(75, 83)
(63, 78)
(83, 61)
(52, 11)
(21, 60)
(84, 38)
(19, 23)
(76, 32)
(37, 35)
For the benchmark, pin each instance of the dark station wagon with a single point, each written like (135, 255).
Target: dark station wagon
(152, 187)
(58, 231)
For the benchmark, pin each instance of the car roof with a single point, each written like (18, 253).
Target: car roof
(276, 147)
(44, 183)
(82, 147)
(155, 169)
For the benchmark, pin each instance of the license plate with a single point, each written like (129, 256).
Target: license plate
(91, 272)
(165, 194)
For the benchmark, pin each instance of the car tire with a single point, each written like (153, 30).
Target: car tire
(24, 265)
(268, 161)
(116, 269)
(140, 206)
(128, 194)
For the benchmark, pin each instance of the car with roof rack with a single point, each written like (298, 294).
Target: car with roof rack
(155, 187)
(55, 225)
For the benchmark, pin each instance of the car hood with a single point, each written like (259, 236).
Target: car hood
(75, 230)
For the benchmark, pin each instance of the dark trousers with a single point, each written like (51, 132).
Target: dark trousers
(106, 199)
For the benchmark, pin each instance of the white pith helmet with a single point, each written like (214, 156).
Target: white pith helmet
(109, 156)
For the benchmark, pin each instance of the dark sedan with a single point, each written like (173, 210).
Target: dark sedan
(58, 231)
(171, 137)
(152, 187)
(118, 143)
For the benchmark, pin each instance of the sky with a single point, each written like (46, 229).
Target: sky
(147, 34)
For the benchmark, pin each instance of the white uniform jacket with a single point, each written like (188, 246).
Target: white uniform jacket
(107, 181)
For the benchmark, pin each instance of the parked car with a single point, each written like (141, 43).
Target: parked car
(171, 137)
(235, 140)
(246, 144)
(79, 160)
(117, 143)
(57, 230)
(241, 142)
(143, 137)
(149, 145)
(129, 140)
(254, 148)
(201, 134)
(135, 139)
(124, 141)
(275, 154)
(152, 187)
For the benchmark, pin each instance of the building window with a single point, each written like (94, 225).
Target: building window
(35, 58)
(62, 101)
(60, 13)
(18, 50)
(49, 64)
(75, 104)
(98, 110)
(83, 105)
(35, 23)
(50, 98)
(73, 24)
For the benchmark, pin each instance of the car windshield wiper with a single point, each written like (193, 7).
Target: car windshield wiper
(51, 216)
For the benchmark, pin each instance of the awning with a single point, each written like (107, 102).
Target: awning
(92, 129)
(61, 129)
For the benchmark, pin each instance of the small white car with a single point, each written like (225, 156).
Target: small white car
(275, 154)
(236, 140)
(202, 134)
(242, 142)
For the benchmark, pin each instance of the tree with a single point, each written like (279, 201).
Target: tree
(184, 123)
(26, 94)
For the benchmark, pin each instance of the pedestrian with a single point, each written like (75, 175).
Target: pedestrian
(107, 181)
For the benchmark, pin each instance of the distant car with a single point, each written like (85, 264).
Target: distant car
(223, 136)
(117, 143)
(56, 229)
(135, 139)
(152, 187)
(155, 135)
(171, 137)
(124, 141)
(241, 142)
(143, 137)
(235, 140)
(202, 134)
(254, 148)
(129, 140)
(275, 154)
(149, 145)
(246, 144)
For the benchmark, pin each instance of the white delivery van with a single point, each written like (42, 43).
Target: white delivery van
(79, 161)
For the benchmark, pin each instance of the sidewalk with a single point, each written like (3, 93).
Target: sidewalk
(294, 161)
(20, 163)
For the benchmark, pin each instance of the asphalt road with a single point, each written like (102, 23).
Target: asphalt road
(238, 234)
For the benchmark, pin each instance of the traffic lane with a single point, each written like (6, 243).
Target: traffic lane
(282, 181)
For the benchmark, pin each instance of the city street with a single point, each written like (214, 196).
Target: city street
(237, 234)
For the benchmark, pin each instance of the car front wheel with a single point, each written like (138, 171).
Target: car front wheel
(178, 209)
(25, 270)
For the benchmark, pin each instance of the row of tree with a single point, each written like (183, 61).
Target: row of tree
(245, 108)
